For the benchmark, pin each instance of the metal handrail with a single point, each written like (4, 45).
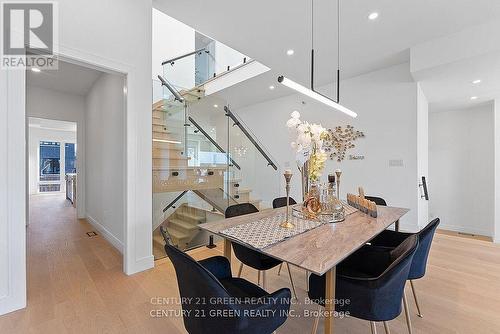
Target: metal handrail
(172, 90)
(250, 137)
(174, 201)
(171, 61)
(212, 140)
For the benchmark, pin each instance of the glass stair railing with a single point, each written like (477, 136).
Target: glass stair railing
(204, 157)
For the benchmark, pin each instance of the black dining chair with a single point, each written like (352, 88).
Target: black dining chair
(281, 202)
(250, 257)
(373, 282)
(215, 302)
(390, 239)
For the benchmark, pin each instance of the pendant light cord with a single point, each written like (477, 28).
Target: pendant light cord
(338, 51)
(312, 44)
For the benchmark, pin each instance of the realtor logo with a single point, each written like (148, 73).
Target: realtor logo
(29, 33)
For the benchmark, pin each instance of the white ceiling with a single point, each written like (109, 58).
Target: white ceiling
(68, 78)
(50, 124)
(265, 30)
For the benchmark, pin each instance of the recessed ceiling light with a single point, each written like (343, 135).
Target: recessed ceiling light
(473, 98)
(271, 87)
(35, 69)
(475, 82)
(373, 16)
(216, 106)
(290, 52)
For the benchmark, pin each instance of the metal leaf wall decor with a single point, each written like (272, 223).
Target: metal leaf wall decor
(339, 140)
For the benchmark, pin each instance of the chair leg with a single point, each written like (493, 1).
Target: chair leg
(316, 321)
(407, 313)
(264, 280)
(258, 277)
(373, 327)
(416, 299)
(386, 327)
(307, 280)
(239, 270)
(279, 269)
(291, 281)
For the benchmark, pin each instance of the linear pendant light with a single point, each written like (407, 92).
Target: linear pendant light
(310, 91)
(315, 95)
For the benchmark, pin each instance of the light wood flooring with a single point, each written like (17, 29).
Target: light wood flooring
(76, 285)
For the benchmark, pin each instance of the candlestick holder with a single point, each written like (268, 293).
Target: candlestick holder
(338, 173)
(288, 176)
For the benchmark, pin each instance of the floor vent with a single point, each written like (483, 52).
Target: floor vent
(91, 234)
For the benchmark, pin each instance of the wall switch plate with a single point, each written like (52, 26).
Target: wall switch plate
(396, 163)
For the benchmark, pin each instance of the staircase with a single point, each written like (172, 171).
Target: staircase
(210, 189)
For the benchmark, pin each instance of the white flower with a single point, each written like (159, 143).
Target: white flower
(295, 114)
(292, 122)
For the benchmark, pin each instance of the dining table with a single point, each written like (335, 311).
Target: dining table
(318, 250)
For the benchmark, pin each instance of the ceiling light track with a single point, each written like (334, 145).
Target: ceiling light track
(311, 92)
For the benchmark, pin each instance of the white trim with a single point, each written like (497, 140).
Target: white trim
(15, 297)
(106, 234)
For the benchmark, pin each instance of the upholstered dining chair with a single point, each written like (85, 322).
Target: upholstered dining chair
(250, 257)
(373, 282)
(390, 239)
(215, 302)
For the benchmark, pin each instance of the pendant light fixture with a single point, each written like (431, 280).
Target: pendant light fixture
(310, 91)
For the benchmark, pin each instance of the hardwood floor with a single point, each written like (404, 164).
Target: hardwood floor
(76, 285)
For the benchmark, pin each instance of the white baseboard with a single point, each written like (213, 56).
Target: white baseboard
(106, 234)
(462, 229)
(142, 264)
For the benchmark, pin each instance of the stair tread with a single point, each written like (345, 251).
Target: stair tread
(175, 233)
(191, 216)
(183, 224)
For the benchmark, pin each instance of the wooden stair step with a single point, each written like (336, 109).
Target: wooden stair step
(176, 234)
(183, 225)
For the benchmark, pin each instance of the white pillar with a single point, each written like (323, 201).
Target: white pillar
(496, 116)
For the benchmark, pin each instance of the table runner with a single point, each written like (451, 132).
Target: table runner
(267, 231)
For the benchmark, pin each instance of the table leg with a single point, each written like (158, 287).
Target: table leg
(396, 226)
(330, 300)
(227, 249)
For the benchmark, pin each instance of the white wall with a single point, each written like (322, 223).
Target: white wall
(36, 135)
(386, 103)
(12, 191)
(123, 44)
(422, 153)
(461, 169)
(172, 38)
(105, 157)
(52, 104)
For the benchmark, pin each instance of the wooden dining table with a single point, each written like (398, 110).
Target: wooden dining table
(318, 250)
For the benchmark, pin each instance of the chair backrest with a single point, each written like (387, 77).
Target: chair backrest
(197, 288)
(425, 237)
(377, 200)
(240, 209)
(281, 202)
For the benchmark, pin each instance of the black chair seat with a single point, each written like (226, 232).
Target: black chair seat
(241, 288)
(253, 258)
(371, 279)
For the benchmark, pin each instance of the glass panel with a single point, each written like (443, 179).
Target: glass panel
(70, 158)
(50, 155)
(255, 182)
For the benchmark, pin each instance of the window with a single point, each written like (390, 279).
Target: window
(50, 155)
(70, 158)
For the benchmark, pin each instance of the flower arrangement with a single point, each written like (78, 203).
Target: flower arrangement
(309, 142)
